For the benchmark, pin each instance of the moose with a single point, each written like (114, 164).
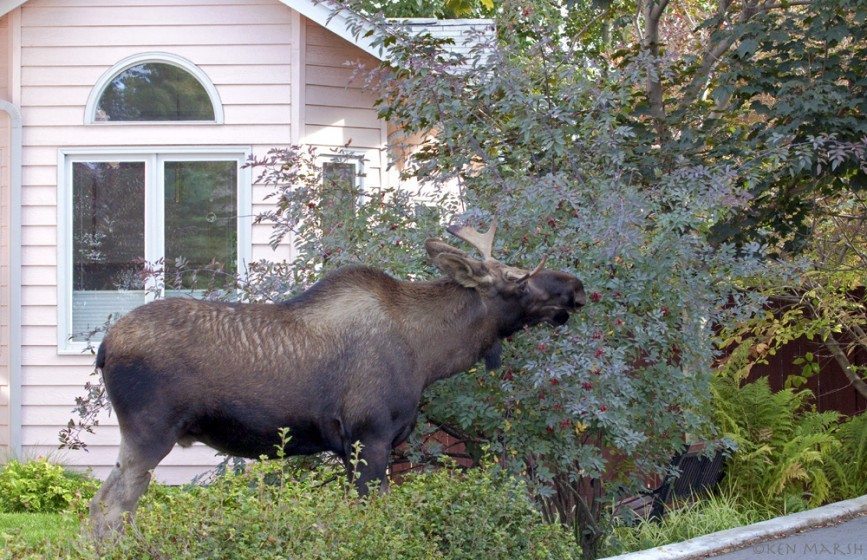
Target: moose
(345, 361)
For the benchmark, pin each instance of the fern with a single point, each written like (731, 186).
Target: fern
(785, 456)
(848, 469)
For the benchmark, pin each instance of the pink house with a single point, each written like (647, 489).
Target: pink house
(152, 99)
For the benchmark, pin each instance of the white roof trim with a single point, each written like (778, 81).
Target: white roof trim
(320, 12)
(7, 6)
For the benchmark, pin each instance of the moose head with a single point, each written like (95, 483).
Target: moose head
(533, 296)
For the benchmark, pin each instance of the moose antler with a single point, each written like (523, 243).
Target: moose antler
(484, 243)
(538, 268)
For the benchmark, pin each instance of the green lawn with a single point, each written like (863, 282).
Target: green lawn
(36, 528)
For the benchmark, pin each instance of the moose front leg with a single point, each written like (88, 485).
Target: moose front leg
(373, 465)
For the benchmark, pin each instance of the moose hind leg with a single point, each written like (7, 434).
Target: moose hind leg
(119, 494)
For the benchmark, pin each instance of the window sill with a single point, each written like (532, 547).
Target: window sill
(77, 349)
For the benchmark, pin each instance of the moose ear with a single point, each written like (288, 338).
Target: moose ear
(466, 271)
(436, 247)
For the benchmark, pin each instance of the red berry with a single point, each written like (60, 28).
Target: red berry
(602, 408)
(599, 352)
(664, 311)
(597, 335)
(542, 347)
(596, 371)
(587, 385)
(564, 424)
(555, 382)
(595, 297)
(549, 429)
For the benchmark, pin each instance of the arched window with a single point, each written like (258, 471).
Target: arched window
(154, 87)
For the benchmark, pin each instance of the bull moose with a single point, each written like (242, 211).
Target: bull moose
(344, 362)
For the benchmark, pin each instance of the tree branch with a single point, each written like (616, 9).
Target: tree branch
(840, 356)
(714, 53)
(653, 10)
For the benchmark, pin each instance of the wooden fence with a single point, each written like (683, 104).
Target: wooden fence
(831, 387)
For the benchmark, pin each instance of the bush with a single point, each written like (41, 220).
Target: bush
(275, 511)
(42, 487)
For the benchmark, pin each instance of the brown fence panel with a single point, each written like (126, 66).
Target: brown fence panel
(832, 389)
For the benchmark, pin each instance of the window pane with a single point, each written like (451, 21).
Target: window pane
(339, 194)
(107, 241)
(201, 230)
(154, 91)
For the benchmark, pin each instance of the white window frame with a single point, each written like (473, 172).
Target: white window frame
(154, 218)
(144, 58)
(352, 157)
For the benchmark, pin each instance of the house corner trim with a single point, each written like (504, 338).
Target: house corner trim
(14, 276)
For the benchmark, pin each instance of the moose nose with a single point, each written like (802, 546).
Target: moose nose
(580, 298)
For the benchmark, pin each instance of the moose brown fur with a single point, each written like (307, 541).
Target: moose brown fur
(345, 361)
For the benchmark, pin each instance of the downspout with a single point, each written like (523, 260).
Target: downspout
(15, 147)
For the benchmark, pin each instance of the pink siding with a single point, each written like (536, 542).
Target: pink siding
(337, 110)
(4, 240)
(244, 46)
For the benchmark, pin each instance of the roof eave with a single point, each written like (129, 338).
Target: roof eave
(322, 13)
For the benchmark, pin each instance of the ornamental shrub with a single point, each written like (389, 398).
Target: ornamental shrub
(282, 510)
(40, 486)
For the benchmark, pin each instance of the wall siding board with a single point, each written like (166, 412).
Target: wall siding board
(42, 334)
(344, 57)
(333, 96)
(327, 116)
(150, 135)
(147, 37)
(199, 54)
(39, 235)
(42, 178)
(335, 76)
(35, 14)
(335, 136)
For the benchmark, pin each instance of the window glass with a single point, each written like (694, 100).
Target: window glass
(339, 194)
(108, 242)
(201, 234)
(154, 91)
(164, 225)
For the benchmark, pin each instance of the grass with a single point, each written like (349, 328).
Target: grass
(34, 529)
(681, 522)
